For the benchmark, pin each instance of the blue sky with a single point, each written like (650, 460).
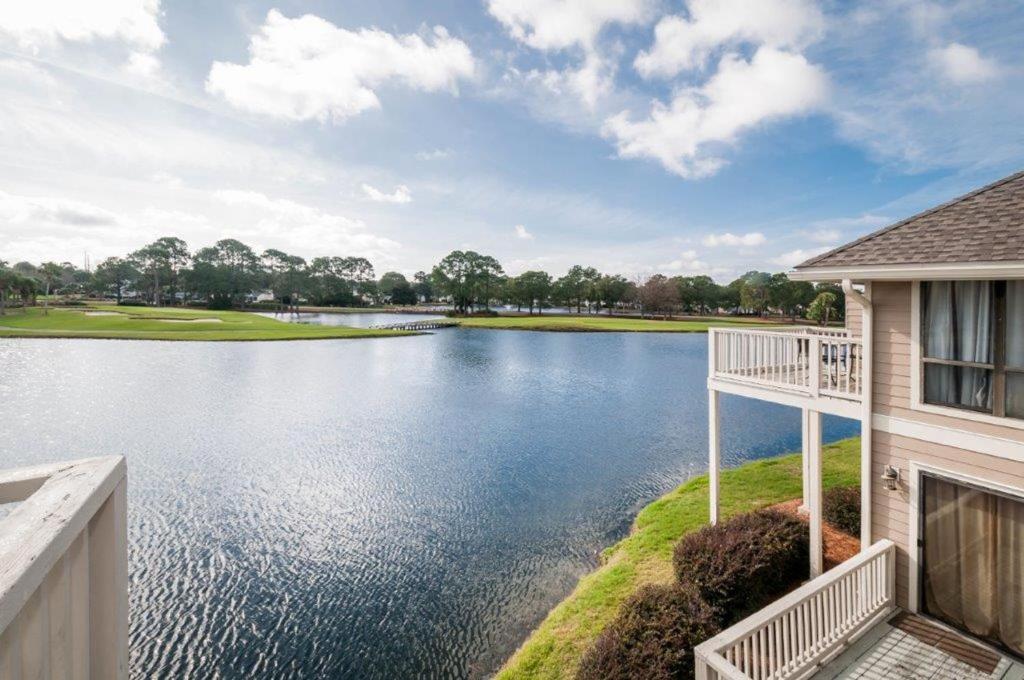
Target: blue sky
(638, 136)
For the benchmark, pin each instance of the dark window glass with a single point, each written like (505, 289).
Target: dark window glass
(958, 320)
(962, 386)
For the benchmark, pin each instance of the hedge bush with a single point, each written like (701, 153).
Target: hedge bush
(841, 509)
(741, 565)
(652, 636)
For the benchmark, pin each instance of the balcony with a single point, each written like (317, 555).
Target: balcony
(64, 570)
(842, 625)
(791, 365)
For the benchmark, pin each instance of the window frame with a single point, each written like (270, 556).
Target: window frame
(997, 416)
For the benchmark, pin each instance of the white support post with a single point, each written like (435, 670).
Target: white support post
(814, 500)
(714, 453)
(805, 458)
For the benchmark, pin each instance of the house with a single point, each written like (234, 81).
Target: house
(932, 364)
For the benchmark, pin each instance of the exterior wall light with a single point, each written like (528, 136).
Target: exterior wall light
(891, 477)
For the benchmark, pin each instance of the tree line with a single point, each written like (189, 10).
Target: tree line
(232, 274)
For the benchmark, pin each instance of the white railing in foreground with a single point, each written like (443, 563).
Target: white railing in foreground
(812, 361)
(64, 571)
(795, 635)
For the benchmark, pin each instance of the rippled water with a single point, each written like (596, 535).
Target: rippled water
(385, 508)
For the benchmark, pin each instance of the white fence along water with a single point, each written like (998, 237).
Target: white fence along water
(794, 636)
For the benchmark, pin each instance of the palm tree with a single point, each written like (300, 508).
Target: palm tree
(26, 287)
(50, 273)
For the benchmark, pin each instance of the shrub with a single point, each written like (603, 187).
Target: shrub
(841, 509)
(741, 565)
(652, 636)
(219, 302)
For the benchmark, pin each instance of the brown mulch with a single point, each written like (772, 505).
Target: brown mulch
(838, 546)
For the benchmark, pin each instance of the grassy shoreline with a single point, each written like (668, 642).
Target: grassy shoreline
(554, 649)
(605, 324)
(110, 322)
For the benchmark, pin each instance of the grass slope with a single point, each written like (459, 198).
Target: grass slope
(554, 649)
(552, 322)
(162, 323)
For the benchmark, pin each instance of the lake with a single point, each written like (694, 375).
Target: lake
(379, 508)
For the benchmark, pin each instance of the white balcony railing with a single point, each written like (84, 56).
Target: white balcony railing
(64, 571)
(813, 362)
(795, 635)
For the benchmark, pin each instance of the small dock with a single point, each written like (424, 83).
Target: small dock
(425, 325)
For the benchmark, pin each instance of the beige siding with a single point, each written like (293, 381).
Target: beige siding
(891, 510)
(892, 303)
(853, 317)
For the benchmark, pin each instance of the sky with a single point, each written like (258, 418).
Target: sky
(637, 136)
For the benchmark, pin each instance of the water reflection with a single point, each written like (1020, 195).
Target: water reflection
(395, 507)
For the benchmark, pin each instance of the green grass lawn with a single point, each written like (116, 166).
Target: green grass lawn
(554, 649)
(552, 322)
(164, 323)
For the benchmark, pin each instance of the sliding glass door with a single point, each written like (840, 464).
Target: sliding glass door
(972, 561)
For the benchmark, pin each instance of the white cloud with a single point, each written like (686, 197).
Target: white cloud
(142, 65)
(31, 210)
(39, 23)
(522, 233)
(434, 155)
(308, 68)
(686, 263)
(588, 83)
(683, 135)
(682, 43)
(304, 228)
(39, 228)
(399, 195)
(559, 24)
(754, 238)
(795, 257)
(962, 64)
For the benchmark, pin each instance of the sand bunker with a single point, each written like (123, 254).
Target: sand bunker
(191, 320)
(104, 314)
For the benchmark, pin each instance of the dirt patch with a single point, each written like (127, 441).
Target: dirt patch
(837, 545)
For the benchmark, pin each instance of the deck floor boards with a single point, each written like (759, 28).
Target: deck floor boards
(889, 652)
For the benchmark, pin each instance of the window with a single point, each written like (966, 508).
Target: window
(971, 575)
(972, 342)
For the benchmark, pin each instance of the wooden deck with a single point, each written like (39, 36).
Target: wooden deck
(909, 647)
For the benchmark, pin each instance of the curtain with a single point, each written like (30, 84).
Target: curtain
(974, 561)
(1015, 324)
(957, 325)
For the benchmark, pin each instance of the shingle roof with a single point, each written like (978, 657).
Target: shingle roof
(986, 225)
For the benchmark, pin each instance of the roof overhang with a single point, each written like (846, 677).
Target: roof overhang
(913, 272)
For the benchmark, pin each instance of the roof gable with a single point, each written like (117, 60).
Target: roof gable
(986, 225)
